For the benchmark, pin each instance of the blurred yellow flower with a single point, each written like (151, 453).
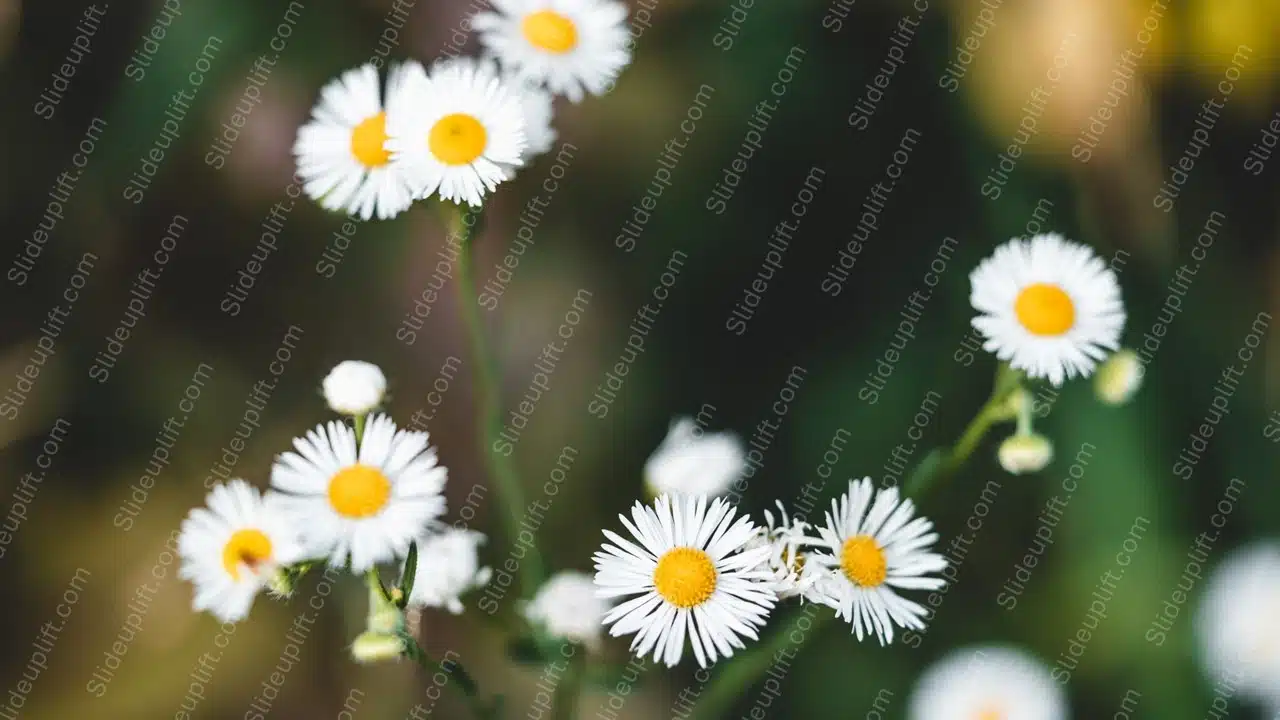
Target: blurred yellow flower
(1220, 32)
(1055, 60)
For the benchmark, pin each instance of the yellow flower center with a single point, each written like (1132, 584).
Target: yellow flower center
(457, 139)
(359, 491)
(550, 31)
(246, 547)
(367, 139)
(1045, 309)
(863, 561)
(685, 577)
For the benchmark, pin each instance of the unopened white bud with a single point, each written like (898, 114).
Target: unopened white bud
(1021, 454)
(371, 647)
(1118, 378)
(354, 387)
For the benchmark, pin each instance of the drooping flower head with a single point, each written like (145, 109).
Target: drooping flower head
(878, 550)
(1022, 453)
(341, 153)
(687, 572)
(361, 503)
(231, 550)
(1049, 307)
(567, 45)
(791, 574)
(987, 683)
(460, 131)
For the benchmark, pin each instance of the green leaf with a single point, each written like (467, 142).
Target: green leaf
(381, 587)
(410, 572)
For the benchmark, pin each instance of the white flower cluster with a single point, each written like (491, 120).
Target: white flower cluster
(691, 571)
(462, 126)
(354, 496)
(691, 567)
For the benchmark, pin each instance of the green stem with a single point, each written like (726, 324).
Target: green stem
(462, 680)
(969, 439)
(1024, 419)
(995, 410)
(359, 429)
(728, 685)
(487, 390)
(564, 702)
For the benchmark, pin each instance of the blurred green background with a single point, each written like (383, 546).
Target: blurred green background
(691, 364)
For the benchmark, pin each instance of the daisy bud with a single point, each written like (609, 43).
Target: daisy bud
(372, 647)
(354, 387)
(1118, 378)
(692, 462)
(1029, 453)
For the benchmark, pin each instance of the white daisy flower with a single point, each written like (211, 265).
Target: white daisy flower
(537, 106)
(877, 549)
(448, 568)
(365, 503)
(341, 152)
(691, 573)
(566, 606)
(566, 45)
(1049, 307)
(791, 575)
(232, 550)
(987, 683)
(460, 131)
(354, 387)
(1237, 625)
(694, 463)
